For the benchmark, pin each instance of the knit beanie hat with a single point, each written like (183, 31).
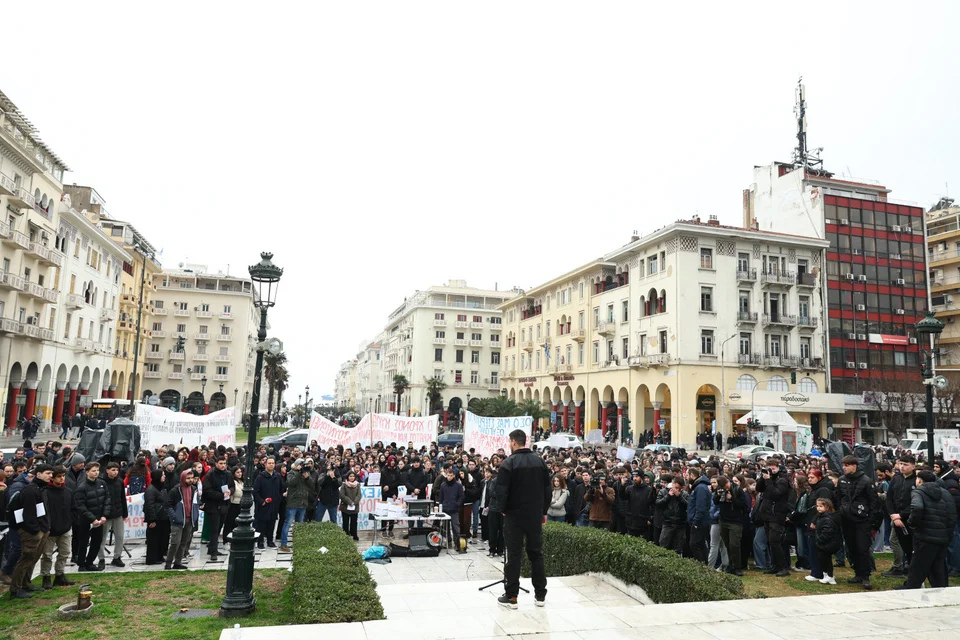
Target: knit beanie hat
(168, 461)
(77, 459)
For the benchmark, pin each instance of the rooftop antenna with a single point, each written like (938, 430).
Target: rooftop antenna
(802, 155)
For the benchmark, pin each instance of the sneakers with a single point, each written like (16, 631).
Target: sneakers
(18, 595)
(117, 562)
(828, 580)
(507, 602)
(812, 578)
(854, 580)
(896, 572)
(542, 602)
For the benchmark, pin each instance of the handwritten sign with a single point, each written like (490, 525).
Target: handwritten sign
(134, 525)
(387, 428)
(951, 449)
(159, 425)
(626, 454)
(328, 434)
(486, 435)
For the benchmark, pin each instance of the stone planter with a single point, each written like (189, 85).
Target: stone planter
(70, 612)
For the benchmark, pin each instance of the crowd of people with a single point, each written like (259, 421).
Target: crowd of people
(801, 513)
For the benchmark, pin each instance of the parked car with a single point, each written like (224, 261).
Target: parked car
(450, 439)
(763, 455)
(559, 441)
(658, 448)
(748, 452)
(291, 438)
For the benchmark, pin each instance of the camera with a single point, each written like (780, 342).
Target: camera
(595, 480)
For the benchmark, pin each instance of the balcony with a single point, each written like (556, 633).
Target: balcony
(476, 325)
(460, 342)
(780, 319)
(476, 343)
(752, 359)
(154, 355)
(82, 344)
(578, 335)
(157, 311)
(220, 377)
(495, 326)
(152, 374)
(179, 334)
(126, 326)
(637, 361)
(175, 375)
(176, 355)
(806, 280)
(74, 301)
(10, 281)
(20, 198)
(746, 275)
(610, 364)
(50, 295)
(493, 385)
(781, 362)
(509, 374)
(33, 289)
(181, 313)
(31, 331)
(204, 314)
(658, 360)
(782, 279)
(811, 363)
(21, 240)
(47, 335)
(157, 333)
(462, 324)
(200, 357)
(528, 345)
(201, 336)
(108, 315)
(608, 328)
(495, 344)
(439, 322)
(46, 255)
(198, 376)
(11, 326)
(439, 341)
(128, 298)
(4, 231)
(7, 186)
(225, 337)
(747, 317)
(222, 358)
(225, 315)
(807, 323)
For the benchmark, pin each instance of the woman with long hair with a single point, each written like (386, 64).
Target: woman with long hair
(230, 522)
(350, 504)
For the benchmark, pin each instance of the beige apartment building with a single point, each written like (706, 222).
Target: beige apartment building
(693, 325)
(943, 258)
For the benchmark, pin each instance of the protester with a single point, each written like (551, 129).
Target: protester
(33, 528)
(933, 517)
(860, 516)
(116, 511)
(233, 511)
(183, 511)
(268, 489)
(59, 505)
(157, 519)
(349, 504)
(90, 508)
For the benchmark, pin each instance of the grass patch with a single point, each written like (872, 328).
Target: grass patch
(139, 605)
(661, 573)
(334, 586)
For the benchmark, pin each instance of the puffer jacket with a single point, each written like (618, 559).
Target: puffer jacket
(329, 491)
(59, 502)
(155, 500)
(116, 498)
(349, 496)
(858, 499)
(828, 536)
(899, 495)
(776, 498)
(933, 515)
(89, 501)
(952, 483)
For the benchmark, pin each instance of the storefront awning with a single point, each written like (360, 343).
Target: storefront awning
(769, 418)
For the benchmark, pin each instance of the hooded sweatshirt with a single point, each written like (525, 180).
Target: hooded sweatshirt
(186, 493)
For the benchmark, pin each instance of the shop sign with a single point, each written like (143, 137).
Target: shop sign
(706, 403)
(883, 338)
(527, 382)
(795, 399)
(735, 396)
(563, 377)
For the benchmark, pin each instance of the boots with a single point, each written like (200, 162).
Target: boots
(47, 583)
(61, 581)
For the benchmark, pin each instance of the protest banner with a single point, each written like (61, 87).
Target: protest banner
(387, 428)
(626, 454)
(486, 434)
(951, 449)
(159, 426)
(134, 526)
(328, 434)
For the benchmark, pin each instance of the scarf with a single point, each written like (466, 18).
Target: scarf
(187, 492)
(352, 485)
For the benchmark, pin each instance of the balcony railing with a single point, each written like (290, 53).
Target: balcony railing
(11, 281)
(7, 186)
(439, 340)
(201, 336)
(75, 300)
(746, 275)
(176, 355)
(509, 373)
(21, 240)
(33, 289)
(31, 331)
(200, 357)
(806, 280)
(158, 311)
(811, 363)
(495, 326)
(750, 358)
(579, 335)
(606, 328)
(204, 314)
(47, 255)
(108, 315)
(528, 345)
(637, 361)
(175, 375)
(780, 319)
(4, 231)
(462, 324)
(226, 315)
(658, 359)
(220, 377)
(786, 278)
(461, 342)
(21, 198)
(495, 344)
(225, 337)
(807, 322)
(154, 355)
(476, 343)
(222, 358)
(198, 376)
(82, 344)
(152, 374)
(746, 316)
(181, 313)
(10, 326)
(439, 322)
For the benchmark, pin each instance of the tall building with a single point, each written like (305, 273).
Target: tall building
(685, 330)
(368, 378)
(136, 289)
(215, 315)
(943, 256)
(346, 386)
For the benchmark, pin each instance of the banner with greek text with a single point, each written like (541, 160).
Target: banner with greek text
(328, 434)
(485, 435)
(159, 425)
(134, 526)
(387, 428)
(951, 449)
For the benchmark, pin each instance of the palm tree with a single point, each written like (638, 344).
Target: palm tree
(535, 410)
(498, 407)
(400, 384)
(282, 378)
(271, 370)
(435, 387)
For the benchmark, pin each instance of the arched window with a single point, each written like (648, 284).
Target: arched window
(746, 382)
(651, 302)
(777, 383)
(643, 306)
(36, 196)
(663, 301)
(807, 385)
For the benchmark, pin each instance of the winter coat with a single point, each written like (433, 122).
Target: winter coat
(389, 478)
(933, 514)
(89, 501)
(698, 507)
(898, 495)
(175, 510)
(349, 496)
(734, 510)
(297, 490)
(639, 506)
(267, 486)
(575, 491)
(776, 498)
(155, 501)
(328, 492)
(523, 485)
(558, 503)
(601, 503)
(952, 483)
(673, 508)
(30, 499)
(212, 489)
(858, 499)
(451, 496)
(417, 479)
(59, 504)
(116, 498)
(471, 490)
(828, 534)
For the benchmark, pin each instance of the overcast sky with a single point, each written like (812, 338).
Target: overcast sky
(381, 147)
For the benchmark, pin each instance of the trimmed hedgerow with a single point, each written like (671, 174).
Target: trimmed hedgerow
(661, 573)
(333, 586)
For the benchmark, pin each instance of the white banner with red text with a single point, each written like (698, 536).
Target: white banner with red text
(486, 435)
(159, 425)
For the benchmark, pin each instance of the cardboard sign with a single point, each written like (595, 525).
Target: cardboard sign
(486, 435)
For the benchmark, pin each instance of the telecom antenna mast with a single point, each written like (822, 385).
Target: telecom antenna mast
(802, 155)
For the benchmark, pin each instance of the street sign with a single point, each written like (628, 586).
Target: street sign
(661, 423)
(553, 417)
(21, 400)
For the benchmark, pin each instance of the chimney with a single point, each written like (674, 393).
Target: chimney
(713, 221)
(635, 236)
(696, 218)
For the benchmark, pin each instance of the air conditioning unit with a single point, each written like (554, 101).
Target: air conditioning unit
(851, 336)
(896, 256)
(861, 307)
(863, 365)
(949, 299)
(908, 229)
(31, 320)
(901, 281)
(901, 312)
(862, 278)
(857, 252)
(896, 228)
(844, 221)
(851, 365)
(849, 276)
(913, 341)
(861, 336)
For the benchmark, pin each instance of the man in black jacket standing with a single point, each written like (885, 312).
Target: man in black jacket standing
(933, 516)
(523, 495)
(217, 488)
(59, 502)
(34, 526)
(898, 506)
(859, 516)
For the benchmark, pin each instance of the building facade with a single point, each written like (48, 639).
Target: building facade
(943, 256)
(345, 393)
(215, 315)
(687, 327)
(876, 279)
(368, 376)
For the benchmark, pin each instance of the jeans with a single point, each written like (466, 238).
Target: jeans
(813, 555)
(761, 552)
(323, 509)
(476, 517)
(556, 518)
(293, 515)
(718, 548)
(582, 520)
(514, 531)
(730, 534)
(454, 525)
(13, 550)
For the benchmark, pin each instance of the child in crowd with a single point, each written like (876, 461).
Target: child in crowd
(829, 538)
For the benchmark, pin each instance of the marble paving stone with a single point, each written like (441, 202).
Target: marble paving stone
(559, 635)
(526, 622)
(435, 627)
(733, 630)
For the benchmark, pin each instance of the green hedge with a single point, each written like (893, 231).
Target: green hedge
(333, 586)
(661, 573)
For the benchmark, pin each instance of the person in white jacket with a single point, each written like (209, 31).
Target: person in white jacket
(557, 511)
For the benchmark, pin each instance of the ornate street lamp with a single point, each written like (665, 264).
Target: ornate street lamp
(928, 333)
(203, 394)
(239, 600)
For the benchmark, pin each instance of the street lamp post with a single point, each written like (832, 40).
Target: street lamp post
(928, 333)
(306, 391)
(203, 393)
(235, 392)
(723, 389)
(239, 600)
(303, 407)
(183, 401)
